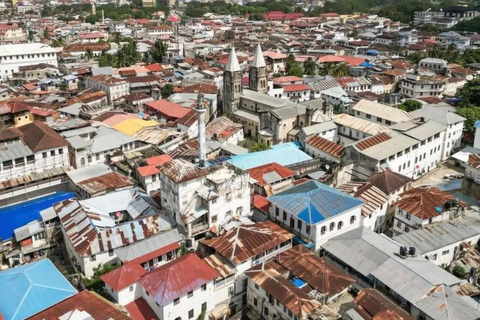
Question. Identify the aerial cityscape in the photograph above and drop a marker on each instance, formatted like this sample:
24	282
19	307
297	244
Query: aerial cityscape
245	160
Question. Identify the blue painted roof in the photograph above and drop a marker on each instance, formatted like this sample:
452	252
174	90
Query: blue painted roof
18	215
31	288
284	154
297	282
477	124
313	202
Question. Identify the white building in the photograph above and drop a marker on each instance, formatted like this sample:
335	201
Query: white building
351	129
114	87
31	148
434	64
94	229
416	86
411	148
13	56
238	249
202	199
423	206
375	204
379	113
315	212
181	289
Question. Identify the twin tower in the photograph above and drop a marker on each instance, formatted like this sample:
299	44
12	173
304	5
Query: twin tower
233	80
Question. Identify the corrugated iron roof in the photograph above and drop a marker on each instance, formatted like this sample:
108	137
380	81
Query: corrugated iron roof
325	145
177	278
389	181
247	241
215	261
372	141
258	173
372	197
123	276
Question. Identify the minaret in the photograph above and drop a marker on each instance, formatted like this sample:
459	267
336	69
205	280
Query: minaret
232	84
257	78
94	9
202	154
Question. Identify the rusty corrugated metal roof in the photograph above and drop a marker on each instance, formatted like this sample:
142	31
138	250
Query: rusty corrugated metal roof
372	141
372	197
247	241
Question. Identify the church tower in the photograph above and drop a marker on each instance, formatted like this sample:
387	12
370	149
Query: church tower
257	75
232	84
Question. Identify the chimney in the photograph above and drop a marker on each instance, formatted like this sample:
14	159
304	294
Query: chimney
201	130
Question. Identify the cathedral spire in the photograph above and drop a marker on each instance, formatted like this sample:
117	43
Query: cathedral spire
232	64
258	59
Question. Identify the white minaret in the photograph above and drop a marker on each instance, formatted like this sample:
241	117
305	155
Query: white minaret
202	154
103	17
94	9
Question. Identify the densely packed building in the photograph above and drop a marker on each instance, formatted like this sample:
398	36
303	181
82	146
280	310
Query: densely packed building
188	165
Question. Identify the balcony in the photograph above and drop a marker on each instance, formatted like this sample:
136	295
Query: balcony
199	228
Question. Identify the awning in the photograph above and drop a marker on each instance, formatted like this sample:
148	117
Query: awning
299	240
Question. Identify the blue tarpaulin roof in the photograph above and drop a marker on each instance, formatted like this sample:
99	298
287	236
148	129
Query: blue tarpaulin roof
297	282
18	215
284	154
366	64
313	202
31	288
299	240
372	52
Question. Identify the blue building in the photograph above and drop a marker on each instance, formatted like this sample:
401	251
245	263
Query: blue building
32	288
315	212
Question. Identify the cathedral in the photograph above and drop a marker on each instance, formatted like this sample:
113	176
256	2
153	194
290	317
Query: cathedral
266	119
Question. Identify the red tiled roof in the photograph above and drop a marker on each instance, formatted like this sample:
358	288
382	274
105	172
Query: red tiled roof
97	307
176	278
372	141
325	145
123	276
295	87
330	58
169	109
156	253
140	310
154	67
257	173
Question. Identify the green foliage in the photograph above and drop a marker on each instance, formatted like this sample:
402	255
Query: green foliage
470	113
334	69
125	57
95	283
459	271
92	19
259	147
450	54
58	43
183	250
167	90
256	17
292	68
310	67
410	105
470	93
468	25
198	9
158	51
201	316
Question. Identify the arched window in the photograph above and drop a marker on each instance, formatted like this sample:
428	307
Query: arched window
82	162
353	219
340	225
332	226
323	230
89	159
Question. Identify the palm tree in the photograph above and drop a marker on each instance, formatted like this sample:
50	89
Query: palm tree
340	70
309	67
46	35
89	54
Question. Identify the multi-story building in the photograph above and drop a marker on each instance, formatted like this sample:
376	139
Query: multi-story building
11	33
201	199
411	148
422	206
307	211
114	87
162	31
379	113
416	86
351	129
13	56
244	247
434	64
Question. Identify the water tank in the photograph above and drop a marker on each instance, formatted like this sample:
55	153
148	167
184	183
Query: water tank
403	251
411	251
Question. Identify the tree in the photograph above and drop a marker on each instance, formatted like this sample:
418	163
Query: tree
472	114
31	36
167	90
58	43
410	105
92	19
95	283
339	70
259	147
46	35
310	67
256	17
470	93
292	68
159	50
459	271
89	54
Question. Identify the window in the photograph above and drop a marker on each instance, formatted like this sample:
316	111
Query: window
130	288
307	229
299	224
434	257
445	252
190	294
379	119
255	302
110	252
323	230
93	257
60	151
340	225
256	286
266	311
204	287
408	216
176	301
368	116
353	219
284	215
190	314
277	211
332	226
52	153
44	155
